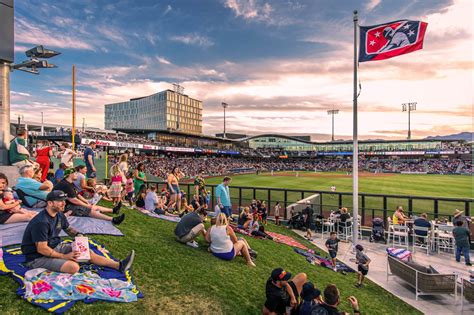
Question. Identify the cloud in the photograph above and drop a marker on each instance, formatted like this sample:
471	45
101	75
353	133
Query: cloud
59	92
19	93
28	33
167	10
372	4
249	9
163	60
193	39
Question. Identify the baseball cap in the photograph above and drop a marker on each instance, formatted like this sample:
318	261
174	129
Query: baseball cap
69	171
309	292
56	195
279	274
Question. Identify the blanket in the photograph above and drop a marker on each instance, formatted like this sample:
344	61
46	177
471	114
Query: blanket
11	234
167	217
317	259
11	263
288	240
400	253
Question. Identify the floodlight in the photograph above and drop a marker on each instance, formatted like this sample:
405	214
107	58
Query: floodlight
41	52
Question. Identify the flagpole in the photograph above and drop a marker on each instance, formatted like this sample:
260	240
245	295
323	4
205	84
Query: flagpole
355	149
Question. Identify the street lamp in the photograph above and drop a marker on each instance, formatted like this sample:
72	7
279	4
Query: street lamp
178	89
333	112
224	106
409	107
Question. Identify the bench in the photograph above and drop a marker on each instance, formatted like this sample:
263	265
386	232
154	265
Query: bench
467	290
424	283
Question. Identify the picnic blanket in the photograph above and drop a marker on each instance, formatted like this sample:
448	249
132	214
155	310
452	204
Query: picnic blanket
317	259
400	253
167	217
288	240
35	290
11	234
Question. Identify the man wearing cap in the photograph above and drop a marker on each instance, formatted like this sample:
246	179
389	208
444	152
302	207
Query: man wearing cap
282	293
42	245
78	206
311	296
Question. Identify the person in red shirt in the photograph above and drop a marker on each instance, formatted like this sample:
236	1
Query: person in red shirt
43	154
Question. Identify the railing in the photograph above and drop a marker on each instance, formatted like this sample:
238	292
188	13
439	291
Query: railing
370	205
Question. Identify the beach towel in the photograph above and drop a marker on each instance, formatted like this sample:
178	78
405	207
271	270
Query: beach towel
167	217
288	240
400	253
11	263
11	234
315	258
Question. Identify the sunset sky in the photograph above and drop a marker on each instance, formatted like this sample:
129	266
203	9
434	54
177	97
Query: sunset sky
279	64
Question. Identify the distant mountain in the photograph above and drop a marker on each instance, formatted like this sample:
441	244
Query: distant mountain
466	136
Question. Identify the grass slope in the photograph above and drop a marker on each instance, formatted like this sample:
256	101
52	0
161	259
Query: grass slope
178	279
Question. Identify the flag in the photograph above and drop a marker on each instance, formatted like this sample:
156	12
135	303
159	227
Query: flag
384	41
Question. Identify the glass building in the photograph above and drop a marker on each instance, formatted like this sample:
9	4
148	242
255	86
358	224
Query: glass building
166	110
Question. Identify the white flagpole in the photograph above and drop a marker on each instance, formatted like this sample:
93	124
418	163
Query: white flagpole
355	149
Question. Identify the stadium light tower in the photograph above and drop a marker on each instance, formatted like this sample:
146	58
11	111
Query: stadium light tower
409	107
178	89
333	112
224	106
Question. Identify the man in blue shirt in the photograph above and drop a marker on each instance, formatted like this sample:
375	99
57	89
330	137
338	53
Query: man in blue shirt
223	197
59	174
422	221
89	155
36	192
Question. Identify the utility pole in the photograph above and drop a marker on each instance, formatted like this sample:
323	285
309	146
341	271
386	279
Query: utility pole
224	105
83	124
42	124
409	107
333	112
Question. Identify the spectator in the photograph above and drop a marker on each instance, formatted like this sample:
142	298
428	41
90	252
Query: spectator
67	155
123	165
190	227
139	178
81	183
422	221
458	216
43	155
224	243
153	202
332	246
42	245
281	292
363	262
89	156
244	218
129	188
331	301
141	195
399	217
308	219
35	191
311	297
18	153
59	174
79	206
115	190
200	187
276	213
223	197
7	215
461	236
173	186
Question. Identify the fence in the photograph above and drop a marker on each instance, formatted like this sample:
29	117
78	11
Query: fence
370	205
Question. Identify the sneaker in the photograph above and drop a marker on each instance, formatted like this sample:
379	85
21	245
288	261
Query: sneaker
125	264
118	219
116	209
253	253
468	264
358	285
193	244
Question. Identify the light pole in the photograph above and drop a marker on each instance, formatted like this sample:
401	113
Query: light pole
42	124
224	106
409	107
178	89
83	124
333	112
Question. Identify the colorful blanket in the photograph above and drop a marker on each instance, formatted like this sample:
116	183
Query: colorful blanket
98	283
167	217
316	259
288	240
400	253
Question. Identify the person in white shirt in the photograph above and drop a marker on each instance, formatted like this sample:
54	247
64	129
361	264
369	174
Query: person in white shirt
67	155
152	202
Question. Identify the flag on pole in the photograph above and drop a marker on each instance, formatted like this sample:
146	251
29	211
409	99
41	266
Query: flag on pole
384	41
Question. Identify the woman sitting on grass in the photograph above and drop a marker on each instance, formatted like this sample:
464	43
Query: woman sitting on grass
244	218
224	243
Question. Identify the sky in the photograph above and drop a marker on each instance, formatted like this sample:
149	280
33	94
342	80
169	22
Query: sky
279	64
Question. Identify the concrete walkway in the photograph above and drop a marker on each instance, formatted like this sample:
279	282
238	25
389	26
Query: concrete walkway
443	263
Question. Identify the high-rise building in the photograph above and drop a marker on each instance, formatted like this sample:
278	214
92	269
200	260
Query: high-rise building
166	110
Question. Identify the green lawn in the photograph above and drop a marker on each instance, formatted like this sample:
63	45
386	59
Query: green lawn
178	279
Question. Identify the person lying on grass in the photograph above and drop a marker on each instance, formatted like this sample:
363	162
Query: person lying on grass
282	293
224	243
42	245
190	227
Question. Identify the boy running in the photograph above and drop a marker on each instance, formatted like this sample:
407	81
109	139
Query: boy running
332	245
363	262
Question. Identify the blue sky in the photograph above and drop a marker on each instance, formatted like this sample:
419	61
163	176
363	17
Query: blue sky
279	64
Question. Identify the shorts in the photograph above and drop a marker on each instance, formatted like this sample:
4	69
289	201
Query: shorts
227	210
159	211
362	270
4	216
130	195
51	264
90	173
78	211
176	190
225	256
191	235
332	254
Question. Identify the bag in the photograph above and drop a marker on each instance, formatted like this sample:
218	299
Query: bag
20	148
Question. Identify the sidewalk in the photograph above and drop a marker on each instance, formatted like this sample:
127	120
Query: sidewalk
443	263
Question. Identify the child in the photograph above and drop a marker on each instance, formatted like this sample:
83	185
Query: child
461	235
115	190
277	213
363	262
129	188
12	205
331	245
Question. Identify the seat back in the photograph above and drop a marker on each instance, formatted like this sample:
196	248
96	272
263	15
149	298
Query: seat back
22	195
